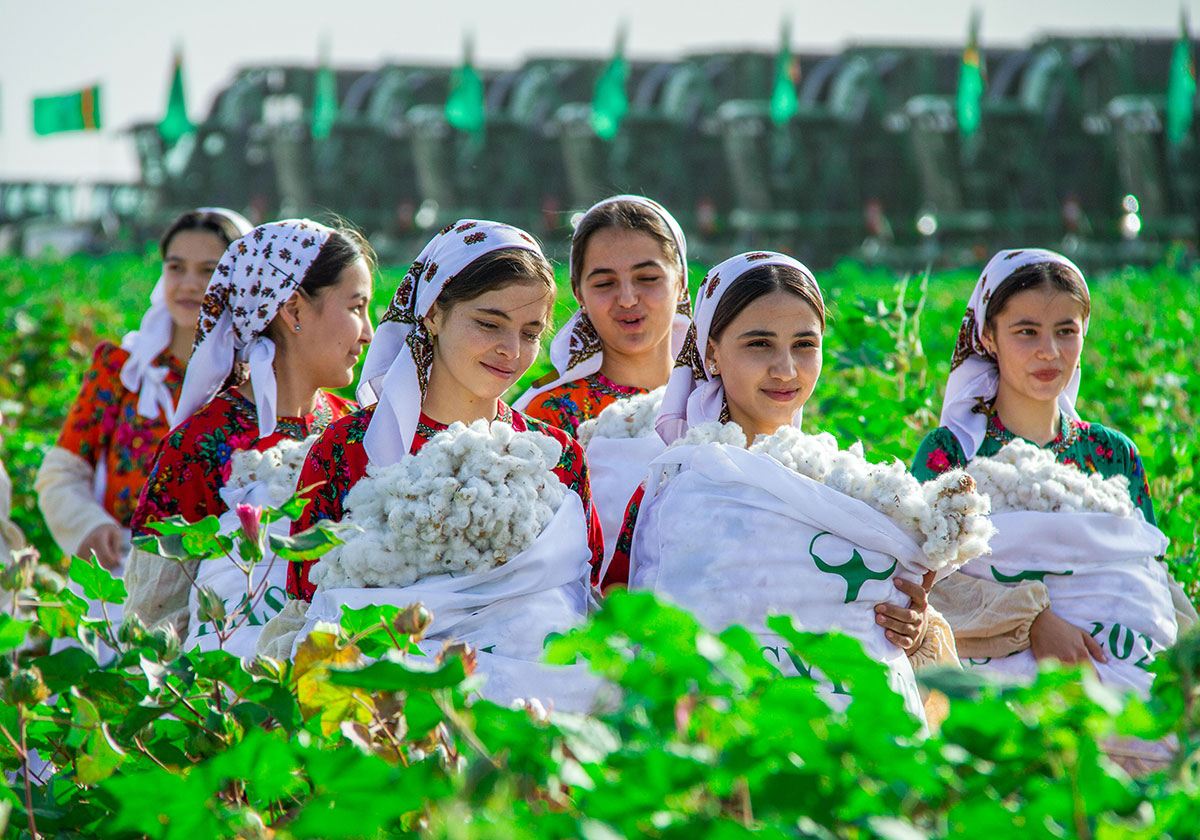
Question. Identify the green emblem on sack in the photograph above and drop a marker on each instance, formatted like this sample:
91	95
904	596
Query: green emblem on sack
1020	576
854	571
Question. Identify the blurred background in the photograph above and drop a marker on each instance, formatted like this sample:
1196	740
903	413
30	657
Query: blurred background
906	134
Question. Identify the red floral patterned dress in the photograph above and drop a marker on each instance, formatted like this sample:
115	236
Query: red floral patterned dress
338	460
1090	447
194	460
104	428
571	403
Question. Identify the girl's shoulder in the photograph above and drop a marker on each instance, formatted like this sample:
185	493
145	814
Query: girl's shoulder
939	451
108	359
523	422
350	428
1104	435
340	406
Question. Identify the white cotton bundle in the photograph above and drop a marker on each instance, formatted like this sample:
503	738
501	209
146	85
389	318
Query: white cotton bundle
278	468
1023	477
628	418
471	499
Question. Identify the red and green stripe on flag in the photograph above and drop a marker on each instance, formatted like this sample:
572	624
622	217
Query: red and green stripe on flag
77	111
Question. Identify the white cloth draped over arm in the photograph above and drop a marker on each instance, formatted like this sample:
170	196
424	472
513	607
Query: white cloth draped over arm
989	619
157	589
65	487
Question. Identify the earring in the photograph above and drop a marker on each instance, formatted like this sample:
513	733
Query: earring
713	369
297	328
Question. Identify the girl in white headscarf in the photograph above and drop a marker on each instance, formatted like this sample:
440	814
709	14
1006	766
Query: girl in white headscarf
1016	374
465	323
89	482
628	270
285	316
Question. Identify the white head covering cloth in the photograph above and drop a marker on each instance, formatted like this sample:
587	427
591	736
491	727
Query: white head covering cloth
395	372
575	350
693	395
257	275
974	375
139	374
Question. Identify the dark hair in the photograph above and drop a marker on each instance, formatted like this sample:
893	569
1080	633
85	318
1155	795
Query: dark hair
1036	276
343	248
496	270
763	280
625	215
218	224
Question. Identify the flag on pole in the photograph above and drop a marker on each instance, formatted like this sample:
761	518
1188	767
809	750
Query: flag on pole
1181	87
609	103
175	123
324	108
971	77
465	108
77	111
784	101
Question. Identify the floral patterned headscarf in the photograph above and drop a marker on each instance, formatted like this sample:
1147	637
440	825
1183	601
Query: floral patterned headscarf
257	275
396	371
576	350
139	374
694	395
974	375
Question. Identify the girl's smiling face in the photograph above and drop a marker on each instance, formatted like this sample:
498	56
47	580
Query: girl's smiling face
1037	340
191	258
769	360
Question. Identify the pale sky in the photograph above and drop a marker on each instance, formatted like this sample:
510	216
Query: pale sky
51	46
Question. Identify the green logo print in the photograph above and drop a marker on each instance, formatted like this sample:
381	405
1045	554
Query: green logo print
854	571
1020	576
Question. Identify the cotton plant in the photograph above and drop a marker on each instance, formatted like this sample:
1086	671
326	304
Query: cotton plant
1024	477
470	500
624	419
277	468
948	517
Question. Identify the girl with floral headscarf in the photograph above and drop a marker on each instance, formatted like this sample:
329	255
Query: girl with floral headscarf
89	481
628	270
284	317
1015	375
464	324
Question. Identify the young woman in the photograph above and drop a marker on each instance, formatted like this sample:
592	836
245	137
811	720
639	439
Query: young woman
285	316
628	269
464	324
89	482
1016	374
760	319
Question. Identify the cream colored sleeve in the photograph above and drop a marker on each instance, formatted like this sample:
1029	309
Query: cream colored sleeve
157	589
989	619
66	498
11	537
938	648
279	633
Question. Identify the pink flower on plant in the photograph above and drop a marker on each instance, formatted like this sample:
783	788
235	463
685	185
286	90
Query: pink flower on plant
938	461
250	517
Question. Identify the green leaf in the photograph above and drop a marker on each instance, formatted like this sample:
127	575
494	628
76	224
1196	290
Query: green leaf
12	631
97	583
311	543
208	526
395	676
102	758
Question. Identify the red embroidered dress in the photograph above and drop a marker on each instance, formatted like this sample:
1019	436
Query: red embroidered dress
104	428
338	460
194	460
571	403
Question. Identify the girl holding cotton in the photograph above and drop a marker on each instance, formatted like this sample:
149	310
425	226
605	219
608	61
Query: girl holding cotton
284	317
745	515
1072	575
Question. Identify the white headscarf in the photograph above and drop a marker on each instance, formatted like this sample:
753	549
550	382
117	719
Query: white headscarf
139	374
974	375
257	275
396	370
576	350
693	395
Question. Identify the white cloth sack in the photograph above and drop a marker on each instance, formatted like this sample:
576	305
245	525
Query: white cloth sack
732	538
1100	572
505	613
616	466
267	578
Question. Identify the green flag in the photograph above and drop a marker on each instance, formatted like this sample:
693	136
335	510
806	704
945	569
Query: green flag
324	108
464	106
609	103
175	123
970	83
1181	88
78	111
784	102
